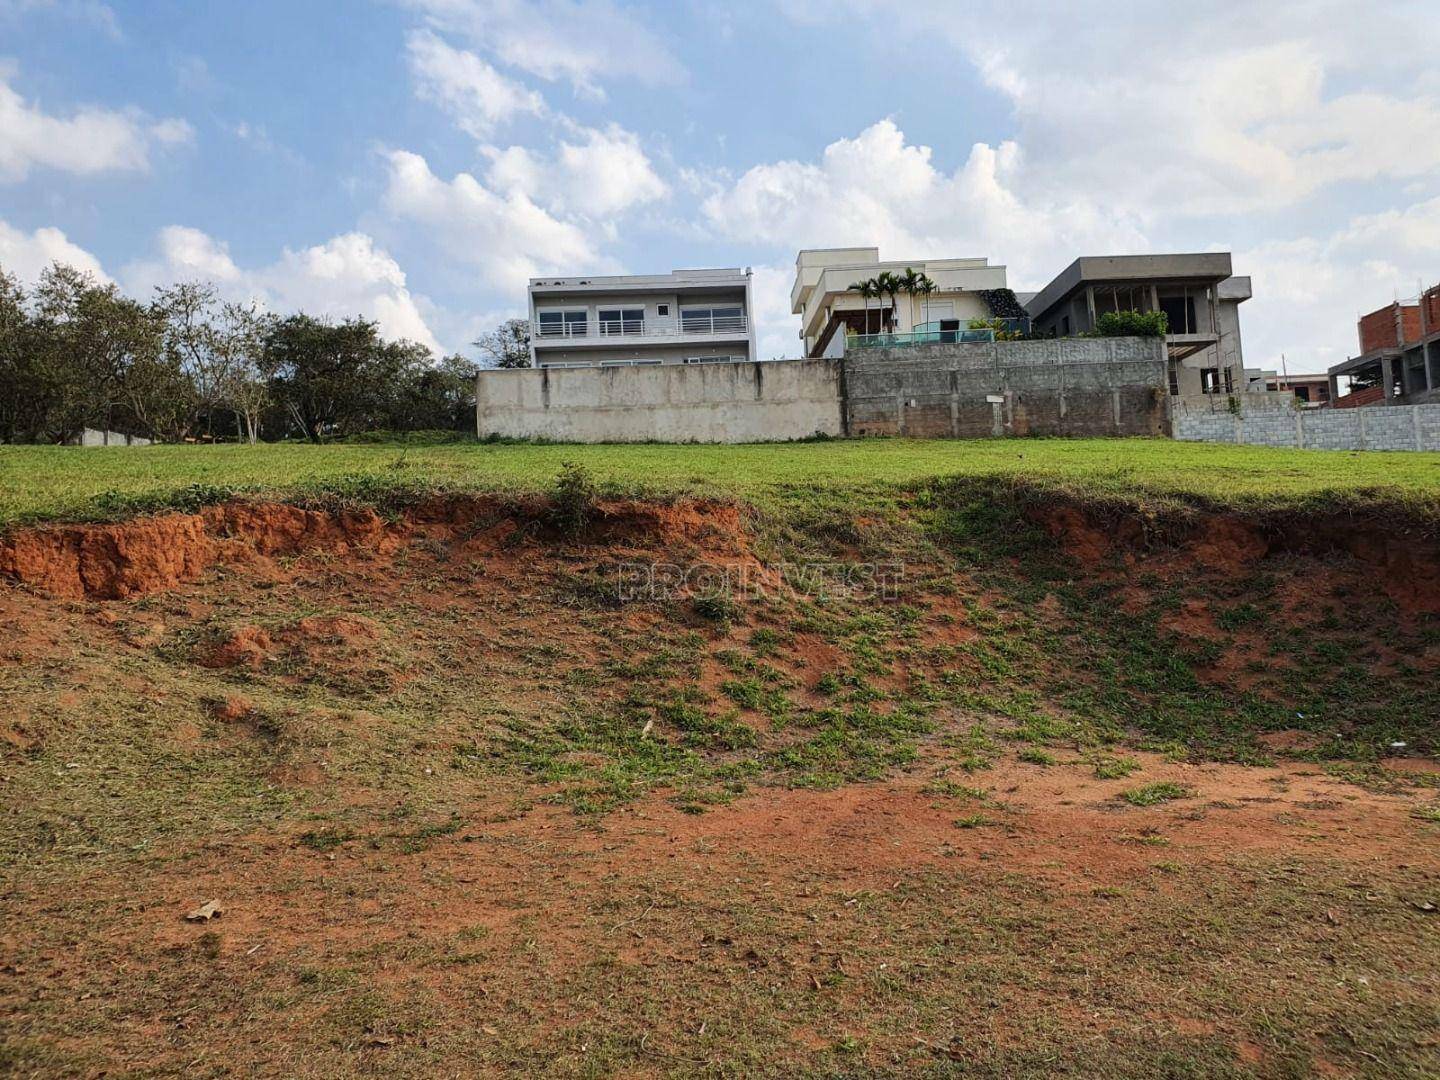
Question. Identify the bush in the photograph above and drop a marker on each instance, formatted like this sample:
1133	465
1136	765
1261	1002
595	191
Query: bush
1132	324
572	500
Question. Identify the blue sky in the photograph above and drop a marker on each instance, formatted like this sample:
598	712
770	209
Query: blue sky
415	160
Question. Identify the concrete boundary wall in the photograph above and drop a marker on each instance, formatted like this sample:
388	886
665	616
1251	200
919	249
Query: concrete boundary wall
1263	423
1063	386
709	403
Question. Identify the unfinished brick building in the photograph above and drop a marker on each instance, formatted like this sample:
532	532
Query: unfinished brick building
1399	361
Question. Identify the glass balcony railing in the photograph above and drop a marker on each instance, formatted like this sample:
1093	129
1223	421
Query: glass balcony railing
917	337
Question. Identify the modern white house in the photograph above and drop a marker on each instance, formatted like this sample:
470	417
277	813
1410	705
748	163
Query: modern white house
683	317
830	305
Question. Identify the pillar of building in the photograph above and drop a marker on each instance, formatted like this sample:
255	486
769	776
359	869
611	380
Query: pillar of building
1387	377
1334	388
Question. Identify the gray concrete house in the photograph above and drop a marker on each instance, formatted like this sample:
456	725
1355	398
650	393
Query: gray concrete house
683	317
1197	292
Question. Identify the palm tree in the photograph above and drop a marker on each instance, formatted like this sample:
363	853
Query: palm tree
866	289
909	282
891	286
925	285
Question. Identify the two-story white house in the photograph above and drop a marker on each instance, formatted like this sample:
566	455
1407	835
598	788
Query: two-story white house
683	317
830	306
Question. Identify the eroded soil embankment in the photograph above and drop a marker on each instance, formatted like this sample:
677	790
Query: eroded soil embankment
114	561
1404	564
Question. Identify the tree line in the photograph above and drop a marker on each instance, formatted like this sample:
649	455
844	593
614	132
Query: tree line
76	353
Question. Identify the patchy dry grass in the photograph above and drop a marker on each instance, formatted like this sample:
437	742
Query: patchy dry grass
470	810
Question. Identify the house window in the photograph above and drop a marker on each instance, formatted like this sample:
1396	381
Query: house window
1210	380
1179	313
711	320
621	321
1065	326
714	359
562	323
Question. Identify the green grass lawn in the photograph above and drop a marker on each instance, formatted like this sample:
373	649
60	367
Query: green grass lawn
39	483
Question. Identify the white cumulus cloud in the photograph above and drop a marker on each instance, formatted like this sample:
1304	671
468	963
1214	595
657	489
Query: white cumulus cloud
597	173
24	255
584	42
477	96
1196	110
506	235
87	141
879	189
344	277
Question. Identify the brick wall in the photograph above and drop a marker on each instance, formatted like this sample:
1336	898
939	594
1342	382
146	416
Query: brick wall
1430	302
1371	395
1378	329
1068	386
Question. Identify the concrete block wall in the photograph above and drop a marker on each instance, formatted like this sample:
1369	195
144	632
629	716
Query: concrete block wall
714	403
1065	386
1260	423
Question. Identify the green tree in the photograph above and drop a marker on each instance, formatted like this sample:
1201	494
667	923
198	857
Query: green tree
16	392
868	290
88	338
327	377
246	389
891	286
507	346
925	286
909	283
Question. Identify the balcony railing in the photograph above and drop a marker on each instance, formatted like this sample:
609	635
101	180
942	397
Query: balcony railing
711	324
920	337
688	326
559	330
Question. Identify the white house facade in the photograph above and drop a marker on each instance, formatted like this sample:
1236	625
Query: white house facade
829	305
683	317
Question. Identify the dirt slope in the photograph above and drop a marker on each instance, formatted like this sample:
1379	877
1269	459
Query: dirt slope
470	809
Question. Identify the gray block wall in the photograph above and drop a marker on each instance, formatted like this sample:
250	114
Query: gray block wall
1264	422
1067	386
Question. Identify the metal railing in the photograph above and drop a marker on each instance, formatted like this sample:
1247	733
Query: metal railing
560	330
622	327
688	326
712	324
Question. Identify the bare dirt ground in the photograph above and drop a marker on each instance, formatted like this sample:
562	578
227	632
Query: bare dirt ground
408	762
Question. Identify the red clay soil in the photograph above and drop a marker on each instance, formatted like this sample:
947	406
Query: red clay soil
1405	567
114	561
501	915
1056	825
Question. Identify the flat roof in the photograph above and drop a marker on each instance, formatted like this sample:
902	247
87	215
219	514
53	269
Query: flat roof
1355	363
724	276
1207	266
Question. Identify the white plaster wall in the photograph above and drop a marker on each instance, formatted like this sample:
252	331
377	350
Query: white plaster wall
714	403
